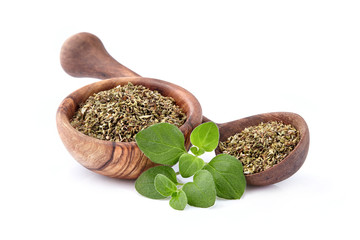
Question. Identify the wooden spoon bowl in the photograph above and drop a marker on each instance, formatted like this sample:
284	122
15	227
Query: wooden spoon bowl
290	164
83	55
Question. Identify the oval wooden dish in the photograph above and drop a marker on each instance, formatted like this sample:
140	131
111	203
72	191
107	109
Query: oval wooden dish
290	164
83	55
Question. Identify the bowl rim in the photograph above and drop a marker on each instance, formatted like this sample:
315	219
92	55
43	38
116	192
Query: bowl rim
73	100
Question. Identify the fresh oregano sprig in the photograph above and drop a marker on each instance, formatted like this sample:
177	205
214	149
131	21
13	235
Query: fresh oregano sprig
164	144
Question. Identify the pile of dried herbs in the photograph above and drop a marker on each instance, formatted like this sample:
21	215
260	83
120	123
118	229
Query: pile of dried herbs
120	113
261	147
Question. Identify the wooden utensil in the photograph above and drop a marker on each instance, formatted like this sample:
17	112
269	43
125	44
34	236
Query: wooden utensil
83	55
290	164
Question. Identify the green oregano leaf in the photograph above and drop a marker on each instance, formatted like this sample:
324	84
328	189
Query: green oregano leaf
201	192
178	200
205	136
228	175
162	143
164	185
189	165
145	183
196	151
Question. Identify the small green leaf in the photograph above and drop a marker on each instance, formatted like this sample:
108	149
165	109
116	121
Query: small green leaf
189	165
164	185
178	200
201	192
145	183
205	136
196	151
162	143
228	175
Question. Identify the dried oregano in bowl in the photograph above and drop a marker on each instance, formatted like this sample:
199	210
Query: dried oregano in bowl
261	147
120	113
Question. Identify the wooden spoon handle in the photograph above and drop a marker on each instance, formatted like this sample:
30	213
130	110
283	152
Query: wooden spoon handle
205	119
84	55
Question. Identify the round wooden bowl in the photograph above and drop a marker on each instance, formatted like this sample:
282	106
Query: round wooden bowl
83	55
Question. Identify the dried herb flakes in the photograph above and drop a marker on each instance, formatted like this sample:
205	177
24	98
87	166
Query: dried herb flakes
261	147
120	113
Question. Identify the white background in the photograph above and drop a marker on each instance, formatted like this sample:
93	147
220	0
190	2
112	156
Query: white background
239	58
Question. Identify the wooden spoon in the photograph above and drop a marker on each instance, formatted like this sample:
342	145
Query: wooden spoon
83	55
290	164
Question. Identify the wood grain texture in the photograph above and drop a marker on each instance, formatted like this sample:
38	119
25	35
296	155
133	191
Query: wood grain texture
83	55
117	159
289	165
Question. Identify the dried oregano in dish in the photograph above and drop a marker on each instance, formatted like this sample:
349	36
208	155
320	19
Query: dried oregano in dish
261	147
120	113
